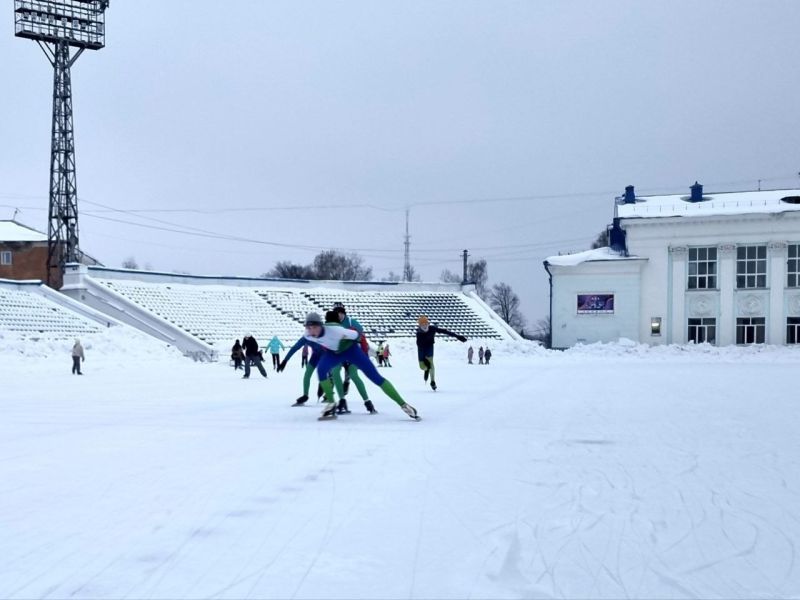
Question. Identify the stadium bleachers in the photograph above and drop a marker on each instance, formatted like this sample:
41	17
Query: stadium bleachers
394	314
24	311
218	314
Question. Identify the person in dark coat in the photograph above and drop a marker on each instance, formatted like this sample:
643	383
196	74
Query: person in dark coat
426	334
487	354
252	356
237	355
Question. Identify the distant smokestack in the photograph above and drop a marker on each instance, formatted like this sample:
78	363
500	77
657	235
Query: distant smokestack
630	196
697	192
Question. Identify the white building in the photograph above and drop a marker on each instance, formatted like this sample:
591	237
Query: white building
719	268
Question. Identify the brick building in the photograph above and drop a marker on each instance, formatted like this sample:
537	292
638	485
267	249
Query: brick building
23	253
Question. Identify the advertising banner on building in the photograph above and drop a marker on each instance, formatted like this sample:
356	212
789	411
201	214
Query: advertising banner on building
595	304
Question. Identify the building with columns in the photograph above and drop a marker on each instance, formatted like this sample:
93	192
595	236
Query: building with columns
717	268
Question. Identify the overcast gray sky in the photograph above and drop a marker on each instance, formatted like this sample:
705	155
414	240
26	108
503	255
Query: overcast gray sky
506	127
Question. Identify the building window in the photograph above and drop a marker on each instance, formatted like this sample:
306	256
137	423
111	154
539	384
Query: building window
793	266
702	268
6	257
702	330
750	330
751	267
793	330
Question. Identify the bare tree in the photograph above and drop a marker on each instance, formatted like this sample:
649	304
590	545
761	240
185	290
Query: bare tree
505	303
411	274
477	273
601	241
285	269
393	277
335	265
130	263
448	276
543	332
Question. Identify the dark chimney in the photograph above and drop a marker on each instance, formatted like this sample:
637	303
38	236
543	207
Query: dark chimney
630	197
697	192
617	238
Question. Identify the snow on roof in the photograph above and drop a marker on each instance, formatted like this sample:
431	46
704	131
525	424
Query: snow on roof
570	260
726	203
11	231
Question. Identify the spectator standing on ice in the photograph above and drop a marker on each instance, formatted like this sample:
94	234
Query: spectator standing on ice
304	356
341	345
386	355
426	337
275	347
252	356
480	355
237	355
470	354
487	354
77	357
379	354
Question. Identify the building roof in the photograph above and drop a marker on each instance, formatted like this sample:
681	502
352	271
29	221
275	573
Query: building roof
726	203
598	254
11	231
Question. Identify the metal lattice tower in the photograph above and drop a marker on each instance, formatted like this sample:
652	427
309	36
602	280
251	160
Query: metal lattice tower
57	26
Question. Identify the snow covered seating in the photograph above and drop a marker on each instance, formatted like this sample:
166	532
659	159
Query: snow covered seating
394	313
23	309
203	315
215	314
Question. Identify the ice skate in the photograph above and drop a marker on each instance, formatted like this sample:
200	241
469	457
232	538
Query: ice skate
410	411
329	412
301	400
370	407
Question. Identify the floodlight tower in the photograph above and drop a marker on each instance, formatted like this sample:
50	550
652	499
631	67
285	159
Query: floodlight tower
58	25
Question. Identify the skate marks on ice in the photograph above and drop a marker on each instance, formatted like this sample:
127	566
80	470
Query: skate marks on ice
617	529
194	548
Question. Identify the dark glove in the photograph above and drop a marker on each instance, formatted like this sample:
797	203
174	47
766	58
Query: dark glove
461	338
282	366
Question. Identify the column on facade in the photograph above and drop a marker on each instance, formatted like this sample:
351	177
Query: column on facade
677	325
777	278
726	328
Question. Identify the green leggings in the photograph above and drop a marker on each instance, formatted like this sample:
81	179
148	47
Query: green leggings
428	366
335	375
356	379
386	386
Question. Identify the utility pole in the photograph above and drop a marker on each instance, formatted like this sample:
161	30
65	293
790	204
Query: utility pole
407	264
464	279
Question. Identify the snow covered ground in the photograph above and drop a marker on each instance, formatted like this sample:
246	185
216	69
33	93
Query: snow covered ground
608	471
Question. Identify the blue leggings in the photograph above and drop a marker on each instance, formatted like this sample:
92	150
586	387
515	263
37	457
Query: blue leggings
355	356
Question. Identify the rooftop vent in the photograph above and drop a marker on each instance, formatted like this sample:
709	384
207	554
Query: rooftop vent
791	199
